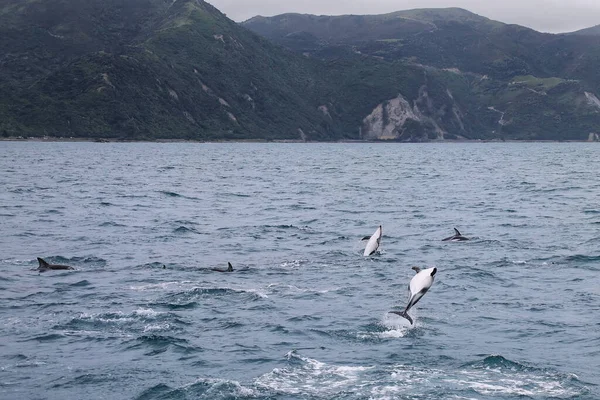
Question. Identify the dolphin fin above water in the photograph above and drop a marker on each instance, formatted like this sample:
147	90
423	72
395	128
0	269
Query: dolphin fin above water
45	266
373	243
229	268
418	286
457	237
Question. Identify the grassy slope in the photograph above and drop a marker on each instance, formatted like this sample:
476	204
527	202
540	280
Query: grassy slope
186	72
490	56
146	69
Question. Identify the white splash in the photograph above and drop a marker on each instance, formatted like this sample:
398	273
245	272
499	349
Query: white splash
312	378
147	312
157	327
526	384
157	286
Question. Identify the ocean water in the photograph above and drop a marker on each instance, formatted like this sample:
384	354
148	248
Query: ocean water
514	313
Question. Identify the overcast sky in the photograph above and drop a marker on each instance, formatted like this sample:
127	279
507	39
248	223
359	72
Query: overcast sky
542	15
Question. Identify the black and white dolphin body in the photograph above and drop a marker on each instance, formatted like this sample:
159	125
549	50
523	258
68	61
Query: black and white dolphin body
373	242
45	266
418	286
457	237
229	268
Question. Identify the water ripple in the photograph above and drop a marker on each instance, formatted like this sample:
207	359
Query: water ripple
303	315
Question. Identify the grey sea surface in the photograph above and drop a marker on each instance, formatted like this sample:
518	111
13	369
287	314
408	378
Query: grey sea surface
514	313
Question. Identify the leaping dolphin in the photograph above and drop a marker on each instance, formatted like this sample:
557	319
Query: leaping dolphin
418	286
373	242
229	268
457	237
44	266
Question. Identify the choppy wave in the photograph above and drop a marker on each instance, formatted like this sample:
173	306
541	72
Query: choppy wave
303	315
583	258
305	377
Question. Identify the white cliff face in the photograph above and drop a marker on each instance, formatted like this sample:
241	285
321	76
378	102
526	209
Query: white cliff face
426	109
387	119
592	99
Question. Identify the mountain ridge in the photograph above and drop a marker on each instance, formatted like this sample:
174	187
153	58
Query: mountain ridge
591	31
490	57
179	69
190	74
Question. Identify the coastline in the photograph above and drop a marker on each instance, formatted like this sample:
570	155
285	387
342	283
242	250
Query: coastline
115	140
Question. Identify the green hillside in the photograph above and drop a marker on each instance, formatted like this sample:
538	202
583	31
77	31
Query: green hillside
486	57
179	69
146	69
592	31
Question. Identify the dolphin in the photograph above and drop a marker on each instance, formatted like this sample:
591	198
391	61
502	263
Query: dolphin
44	266
229	268
418	286
457	237
373	242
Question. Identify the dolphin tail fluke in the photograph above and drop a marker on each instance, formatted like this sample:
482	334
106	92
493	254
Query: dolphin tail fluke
229	267
403	314
43	263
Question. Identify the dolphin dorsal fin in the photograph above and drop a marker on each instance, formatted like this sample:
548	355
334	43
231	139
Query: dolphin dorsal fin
457	232
229	267
42	262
